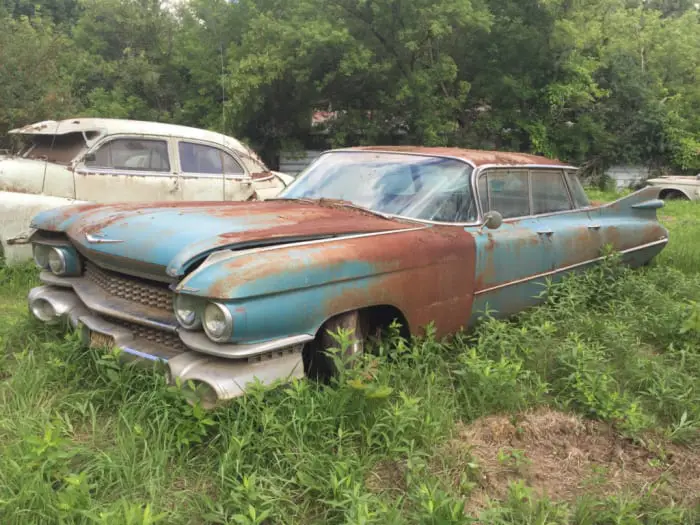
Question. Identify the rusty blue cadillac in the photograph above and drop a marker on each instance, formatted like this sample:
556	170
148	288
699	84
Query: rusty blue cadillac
225	292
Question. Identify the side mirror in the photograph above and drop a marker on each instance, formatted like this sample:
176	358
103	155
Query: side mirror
492	221
89	157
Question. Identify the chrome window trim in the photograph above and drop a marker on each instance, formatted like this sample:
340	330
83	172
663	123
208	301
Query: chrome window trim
485	172
478	171
403	217
566	268
562	176
82	168
563	169
189	174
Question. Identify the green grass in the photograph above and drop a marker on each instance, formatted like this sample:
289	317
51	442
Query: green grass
414	435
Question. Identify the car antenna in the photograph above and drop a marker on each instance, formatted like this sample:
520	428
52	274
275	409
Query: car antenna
223	119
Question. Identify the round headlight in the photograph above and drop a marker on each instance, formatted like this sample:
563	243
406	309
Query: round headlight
57	261
186	312
218	323
41	255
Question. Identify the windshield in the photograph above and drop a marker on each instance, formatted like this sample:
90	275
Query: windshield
413	186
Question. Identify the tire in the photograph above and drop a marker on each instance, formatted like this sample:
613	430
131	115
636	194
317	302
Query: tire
317	364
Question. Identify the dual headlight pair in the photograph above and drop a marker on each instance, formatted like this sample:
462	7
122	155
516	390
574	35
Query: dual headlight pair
215	318
59	260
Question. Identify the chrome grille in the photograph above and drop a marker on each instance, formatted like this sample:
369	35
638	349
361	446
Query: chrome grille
130	288
168	340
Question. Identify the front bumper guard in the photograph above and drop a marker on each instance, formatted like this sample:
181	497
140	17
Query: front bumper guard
266	362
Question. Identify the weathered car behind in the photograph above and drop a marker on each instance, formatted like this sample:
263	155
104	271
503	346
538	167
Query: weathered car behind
111	160
677	187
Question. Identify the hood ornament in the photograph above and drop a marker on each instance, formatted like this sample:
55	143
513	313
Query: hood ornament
99	238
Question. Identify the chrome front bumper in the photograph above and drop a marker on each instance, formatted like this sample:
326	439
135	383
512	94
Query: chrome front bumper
227	377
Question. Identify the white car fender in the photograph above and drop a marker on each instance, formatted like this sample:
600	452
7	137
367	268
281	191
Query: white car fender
16	213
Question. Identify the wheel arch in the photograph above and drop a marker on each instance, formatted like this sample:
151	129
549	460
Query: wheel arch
376	316
670	193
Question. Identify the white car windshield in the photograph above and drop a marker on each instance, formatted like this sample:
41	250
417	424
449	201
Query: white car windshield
413	186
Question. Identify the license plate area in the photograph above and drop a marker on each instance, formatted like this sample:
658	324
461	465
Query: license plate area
98	340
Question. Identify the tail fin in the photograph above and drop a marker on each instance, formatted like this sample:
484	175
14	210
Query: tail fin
643	203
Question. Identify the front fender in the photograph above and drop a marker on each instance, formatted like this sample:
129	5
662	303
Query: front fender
16	212
427	273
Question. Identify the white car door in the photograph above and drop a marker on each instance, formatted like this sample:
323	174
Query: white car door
208	173
128	169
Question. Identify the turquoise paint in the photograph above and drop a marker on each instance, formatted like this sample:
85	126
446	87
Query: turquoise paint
298	311
278	271
156	235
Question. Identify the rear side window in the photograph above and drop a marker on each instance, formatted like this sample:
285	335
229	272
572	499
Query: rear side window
197	158
507	192
577	191
549	193
132	154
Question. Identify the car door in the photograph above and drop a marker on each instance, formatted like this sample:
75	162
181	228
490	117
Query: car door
210	173
511	260
573	241
127	169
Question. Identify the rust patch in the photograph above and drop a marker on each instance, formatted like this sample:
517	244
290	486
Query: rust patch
427	274
475	156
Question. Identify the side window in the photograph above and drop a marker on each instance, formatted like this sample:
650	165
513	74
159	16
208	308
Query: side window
508	192
549	192
231	165
577	191
132	154
197	158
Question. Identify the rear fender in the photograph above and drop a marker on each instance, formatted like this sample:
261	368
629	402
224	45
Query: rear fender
632	222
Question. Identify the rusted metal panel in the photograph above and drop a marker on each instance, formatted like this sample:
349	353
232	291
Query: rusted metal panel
174	234
474	156
426	272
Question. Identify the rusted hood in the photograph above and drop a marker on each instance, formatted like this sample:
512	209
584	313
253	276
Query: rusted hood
175	235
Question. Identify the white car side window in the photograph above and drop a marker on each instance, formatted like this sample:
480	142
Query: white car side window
132	154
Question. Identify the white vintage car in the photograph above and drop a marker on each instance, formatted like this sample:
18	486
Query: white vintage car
109	160
678	187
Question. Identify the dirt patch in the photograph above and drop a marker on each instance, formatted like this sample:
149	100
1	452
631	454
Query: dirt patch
563	456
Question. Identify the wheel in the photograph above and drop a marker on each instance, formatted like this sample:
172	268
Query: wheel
317	363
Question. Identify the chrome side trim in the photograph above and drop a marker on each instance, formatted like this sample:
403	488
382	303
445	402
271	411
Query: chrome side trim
199	342
227	253
98	239
565	268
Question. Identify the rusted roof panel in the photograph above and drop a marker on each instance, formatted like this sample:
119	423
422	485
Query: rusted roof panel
475	156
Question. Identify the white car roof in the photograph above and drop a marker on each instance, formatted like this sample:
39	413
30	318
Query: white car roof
108	126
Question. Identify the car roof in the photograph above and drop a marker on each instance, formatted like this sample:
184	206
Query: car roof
475	157
109	126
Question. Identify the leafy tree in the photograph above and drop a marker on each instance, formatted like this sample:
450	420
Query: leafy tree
33	84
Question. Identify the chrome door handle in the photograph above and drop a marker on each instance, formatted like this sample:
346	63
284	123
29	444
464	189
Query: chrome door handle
545	232
594	227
